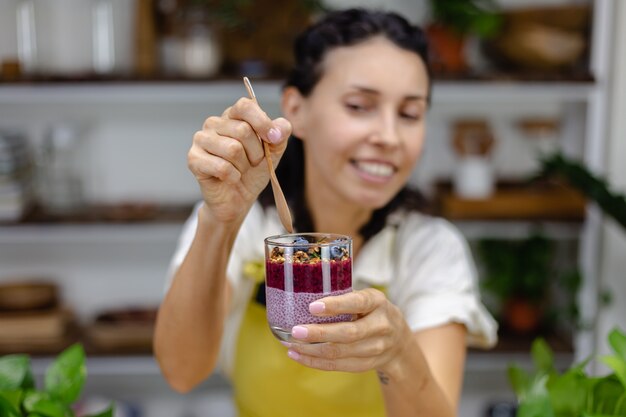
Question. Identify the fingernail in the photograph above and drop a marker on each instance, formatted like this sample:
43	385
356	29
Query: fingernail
317	307
274	135
299	332
285	344
293	354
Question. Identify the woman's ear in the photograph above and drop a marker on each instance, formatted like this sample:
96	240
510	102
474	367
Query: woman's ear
292	104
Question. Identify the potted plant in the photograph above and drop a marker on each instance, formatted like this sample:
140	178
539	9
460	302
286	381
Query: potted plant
257	36
63	383
452	22
573	393
517	274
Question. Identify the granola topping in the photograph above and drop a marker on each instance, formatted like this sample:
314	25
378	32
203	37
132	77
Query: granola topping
312	255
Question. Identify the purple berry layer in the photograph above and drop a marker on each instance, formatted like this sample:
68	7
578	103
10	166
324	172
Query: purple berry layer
307	277
286	309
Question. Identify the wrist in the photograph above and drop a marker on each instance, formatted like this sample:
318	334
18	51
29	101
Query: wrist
405	363
209	225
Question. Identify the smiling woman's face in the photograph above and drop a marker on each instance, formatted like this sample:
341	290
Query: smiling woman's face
363	124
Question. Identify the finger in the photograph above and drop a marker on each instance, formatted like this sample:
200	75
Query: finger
230	149
373	346
249	111
205	165
344	364
285	129
356	302
342	332
242	132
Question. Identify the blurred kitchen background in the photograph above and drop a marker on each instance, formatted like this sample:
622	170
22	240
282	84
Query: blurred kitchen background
99	100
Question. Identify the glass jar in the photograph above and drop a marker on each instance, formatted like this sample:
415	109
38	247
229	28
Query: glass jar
200	50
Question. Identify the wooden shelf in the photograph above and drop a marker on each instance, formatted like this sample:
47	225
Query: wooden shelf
514	202
122	223
268	91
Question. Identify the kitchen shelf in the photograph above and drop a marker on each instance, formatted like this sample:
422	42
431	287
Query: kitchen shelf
195	92
89	233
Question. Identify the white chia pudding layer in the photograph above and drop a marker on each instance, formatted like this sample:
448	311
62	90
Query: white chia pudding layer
287	309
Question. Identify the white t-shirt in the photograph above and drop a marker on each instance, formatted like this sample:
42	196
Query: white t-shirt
423	261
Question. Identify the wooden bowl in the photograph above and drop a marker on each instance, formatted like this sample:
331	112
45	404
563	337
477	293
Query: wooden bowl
18	296
542	38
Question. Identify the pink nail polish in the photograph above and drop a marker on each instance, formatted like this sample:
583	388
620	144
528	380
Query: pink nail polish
285	344
317	307
274	135
293	354
299	332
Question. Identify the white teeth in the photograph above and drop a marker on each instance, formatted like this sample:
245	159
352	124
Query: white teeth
374	168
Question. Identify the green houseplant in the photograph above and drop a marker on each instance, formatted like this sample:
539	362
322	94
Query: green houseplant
518	274
452	22
591	186
547	393
63	384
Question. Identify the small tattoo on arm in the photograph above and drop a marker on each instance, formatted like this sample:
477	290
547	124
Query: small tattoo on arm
384	379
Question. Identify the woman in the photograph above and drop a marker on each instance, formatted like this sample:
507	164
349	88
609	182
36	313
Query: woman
356	103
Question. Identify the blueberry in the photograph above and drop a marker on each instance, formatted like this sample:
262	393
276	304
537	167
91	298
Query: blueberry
300	241
336	252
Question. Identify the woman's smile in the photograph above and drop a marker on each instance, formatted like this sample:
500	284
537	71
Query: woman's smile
377	172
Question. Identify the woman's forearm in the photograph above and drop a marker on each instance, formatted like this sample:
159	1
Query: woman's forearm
409	388
191	318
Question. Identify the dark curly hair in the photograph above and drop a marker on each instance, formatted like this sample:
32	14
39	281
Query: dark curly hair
335	29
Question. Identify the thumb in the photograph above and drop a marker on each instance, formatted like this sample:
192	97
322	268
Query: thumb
278	146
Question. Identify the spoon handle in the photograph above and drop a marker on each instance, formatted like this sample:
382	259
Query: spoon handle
279	197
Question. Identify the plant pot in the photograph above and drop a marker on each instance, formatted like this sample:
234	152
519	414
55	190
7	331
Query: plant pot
522	316
447	50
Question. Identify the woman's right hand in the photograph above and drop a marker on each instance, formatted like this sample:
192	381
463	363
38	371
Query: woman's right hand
227	158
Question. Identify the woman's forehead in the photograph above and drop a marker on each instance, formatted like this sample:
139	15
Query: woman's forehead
375	63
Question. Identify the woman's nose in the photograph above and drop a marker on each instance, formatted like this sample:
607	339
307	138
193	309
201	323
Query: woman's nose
385	133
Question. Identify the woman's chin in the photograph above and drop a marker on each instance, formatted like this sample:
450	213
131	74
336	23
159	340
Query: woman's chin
373	201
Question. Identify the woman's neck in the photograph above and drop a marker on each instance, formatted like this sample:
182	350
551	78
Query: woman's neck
330	215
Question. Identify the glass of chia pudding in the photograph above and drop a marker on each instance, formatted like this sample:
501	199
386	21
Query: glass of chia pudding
299	269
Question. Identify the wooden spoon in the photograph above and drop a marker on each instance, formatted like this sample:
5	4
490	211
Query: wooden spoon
279	197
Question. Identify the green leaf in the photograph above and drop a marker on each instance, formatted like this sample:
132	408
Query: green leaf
606	395
593	187
617	340
106	413
542	356
620	406
15	373
66	375
597	415
568	392
537	401
519	380
618	365
14	397
45	404
7	409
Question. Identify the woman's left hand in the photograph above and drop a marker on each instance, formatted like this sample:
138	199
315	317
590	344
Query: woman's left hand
375	339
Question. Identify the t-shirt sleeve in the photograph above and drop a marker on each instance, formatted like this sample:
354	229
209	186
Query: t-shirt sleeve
440	282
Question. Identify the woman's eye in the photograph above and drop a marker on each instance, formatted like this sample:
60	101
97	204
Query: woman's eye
356	107
411	116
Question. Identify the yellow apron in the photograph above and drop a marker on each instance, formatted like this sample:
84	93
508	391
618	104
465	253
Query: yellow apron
267	383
